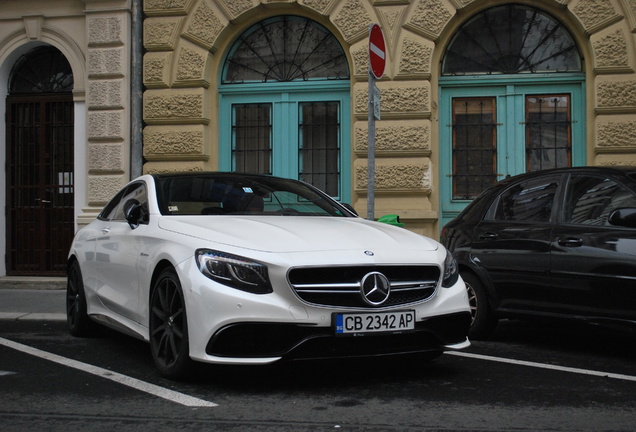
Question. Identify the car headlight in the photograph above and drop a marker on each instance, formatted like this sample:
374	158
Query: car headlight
451	271
234	271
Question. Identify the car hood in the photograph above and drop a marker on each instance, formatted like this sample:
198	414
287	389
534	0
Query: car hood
280	234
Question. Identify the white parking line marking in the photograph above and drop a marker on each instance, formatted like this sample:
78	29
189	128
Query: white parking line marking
143	386
545	366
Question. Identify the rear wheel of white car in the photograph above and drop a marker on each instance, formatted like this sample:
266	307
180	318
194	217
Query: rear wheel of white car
483	321
168	326
79	324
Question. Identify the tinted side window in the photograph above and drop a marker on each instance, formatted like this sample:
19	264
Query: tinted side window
528	201
136	192
109	210
590	200
114	210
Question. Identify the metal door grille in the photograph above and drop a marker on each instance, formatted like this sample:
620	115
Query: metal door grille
319	146
40	184
548	132
252	138
474	146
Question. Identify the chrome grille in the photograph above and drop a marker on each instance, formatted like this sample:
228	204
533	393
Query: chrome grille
340	286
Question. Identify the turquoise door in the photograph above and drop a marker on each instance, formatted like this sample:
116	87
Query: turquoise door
488	133
297	131
512	100
285	105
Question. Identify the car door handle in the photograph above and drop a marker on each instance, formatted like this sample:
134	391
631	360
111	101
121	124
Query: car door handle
571	242
488	236
105	230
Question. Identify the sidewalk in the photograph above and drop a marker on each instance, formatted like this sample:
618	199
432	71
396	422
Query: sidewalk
32	299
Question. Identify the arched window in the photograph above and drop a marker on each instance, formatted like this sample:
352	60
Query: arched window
511	39
41	70
512	100
285	104
284	49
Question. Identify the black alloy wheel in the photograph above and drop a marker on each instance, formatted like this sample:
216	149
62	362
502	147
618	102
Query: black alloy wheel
79	323
168	326
483	321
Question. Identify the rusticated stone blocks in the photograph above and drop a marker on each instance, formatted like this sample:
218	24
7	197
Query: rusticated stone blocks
395	137
396	174
103	187
175	107
174	142
617	134
402	98
161	34
617	94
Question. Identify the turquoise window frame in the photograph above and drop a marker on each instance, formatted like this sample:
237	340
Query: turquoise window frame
285	99
510	92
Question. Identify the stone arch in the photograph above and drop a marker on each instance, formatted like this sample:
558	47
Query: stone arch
181	70
11	48
35	34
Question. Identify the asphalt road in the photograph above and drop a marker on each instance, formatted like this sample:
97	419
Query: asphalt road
527	378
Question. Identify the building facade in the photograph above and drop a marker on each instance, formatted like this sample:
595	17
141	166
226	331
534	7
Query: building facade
473	91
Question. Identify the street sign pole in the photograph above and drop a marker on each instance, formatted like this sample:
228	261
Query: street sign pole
377	62
371	151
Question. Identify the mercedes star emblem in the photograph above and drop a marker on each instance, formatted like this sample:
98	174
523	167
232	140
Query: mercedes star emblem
375	288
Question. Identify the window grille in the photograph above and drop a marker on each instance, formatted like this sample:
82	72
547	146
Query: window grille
319	146
285	49
474	146
511	39
548	132
41	70
252	138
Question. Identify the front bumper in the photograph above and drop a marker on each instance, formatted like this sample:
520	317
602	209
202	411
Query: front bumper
296	342
229	326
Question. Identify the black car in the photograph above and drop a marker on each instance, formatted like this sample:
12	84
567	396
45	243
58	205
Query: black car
556	243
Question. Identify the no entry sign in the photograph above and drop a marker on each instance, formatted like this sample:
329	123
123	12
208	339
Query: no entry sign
377	51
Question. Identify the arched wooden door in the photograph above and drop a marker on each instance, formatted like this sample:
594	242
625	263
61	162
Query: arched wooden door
39	154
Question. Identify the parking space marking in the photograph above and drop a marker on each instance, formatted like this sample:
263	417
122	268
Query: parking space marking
545	366
143	386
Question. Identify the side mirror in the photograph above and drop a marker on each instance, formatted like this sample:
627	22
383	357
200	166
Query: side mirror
133	212
623	217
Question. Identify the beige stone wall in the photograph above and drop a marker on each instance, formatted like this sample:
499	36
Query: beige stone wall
186	41
108	29
95	37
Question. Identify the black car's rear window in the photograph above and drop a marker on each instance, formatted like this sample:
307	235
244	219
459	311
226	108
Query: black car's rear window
528	201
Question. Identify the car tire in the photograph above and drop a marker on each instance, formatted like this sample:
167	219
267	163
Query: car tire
79	323
168	326
483	321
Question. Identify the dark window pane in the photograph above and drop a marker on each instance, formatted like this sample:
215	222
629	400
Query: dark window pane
251	138
283	49
474	146
590	200
511	39
530	201
41	70
548	143
319	146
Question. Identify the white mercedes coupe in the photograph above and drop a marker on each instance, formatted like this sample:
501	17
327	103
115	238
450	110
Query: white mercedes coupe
236	268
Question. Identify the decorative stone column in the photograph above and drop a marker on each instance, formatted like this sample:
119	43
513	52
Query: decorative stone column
108	29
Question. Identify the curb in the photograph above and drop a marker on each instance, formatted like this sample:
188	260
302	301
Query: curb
28	316
34	283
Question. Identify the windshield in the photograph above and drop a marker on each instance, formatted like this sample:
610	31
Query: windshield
241	194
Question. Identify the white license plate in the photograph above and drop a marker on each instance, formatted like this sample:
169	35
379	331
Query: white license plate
391	322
